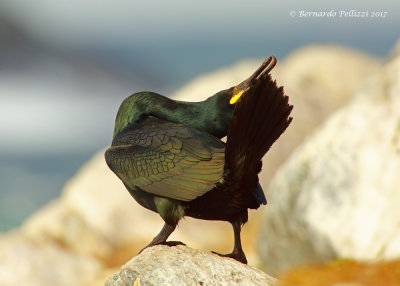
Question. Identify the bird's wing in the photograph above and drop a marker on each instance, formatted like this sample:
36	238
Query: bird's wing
167	159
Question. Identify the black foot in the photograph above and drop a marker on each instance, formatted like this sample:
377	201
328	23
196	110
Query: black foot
241	257
173	243
168	243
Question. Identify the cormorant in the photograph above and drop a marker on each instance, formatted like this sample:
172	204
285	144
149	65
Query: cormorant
170	157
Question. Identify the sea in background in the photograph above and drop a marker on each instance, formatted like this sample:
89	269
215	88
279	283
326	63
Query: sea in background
65	67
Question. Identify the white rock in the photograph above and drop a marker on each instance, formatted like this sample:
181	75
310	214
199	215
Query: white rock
24	262
338	195
180	265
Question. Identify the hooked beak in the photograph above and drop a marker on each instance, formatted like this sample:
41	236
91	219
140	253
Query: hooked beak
260	73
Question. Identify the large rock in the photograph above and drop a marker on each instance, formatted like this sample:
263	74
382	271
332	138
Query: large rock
338	195
344	273
26	262
180	265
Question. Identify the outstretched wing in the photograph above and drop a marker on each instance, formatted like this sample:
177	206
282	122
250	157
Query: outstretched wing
167	159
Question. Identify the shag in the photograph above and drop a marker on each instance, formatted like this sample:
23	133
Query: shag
170	156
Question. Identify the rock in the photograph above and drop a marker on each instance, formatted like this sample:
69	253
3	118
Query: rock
25	262
344	273
180	265
338	195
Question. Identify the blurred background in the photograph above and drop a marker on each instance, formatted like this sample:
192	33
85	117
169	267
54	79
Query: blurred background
65	66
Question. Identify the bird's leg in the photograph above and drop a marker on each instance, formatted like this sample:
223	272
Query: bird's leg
237	252
162	237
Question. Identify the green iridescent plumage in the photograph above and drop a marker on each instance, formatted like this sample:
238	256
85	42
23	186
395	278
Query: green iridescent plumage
170	157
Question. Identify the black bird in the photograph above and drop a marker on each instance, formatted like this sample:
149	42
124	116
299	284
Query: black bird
170	157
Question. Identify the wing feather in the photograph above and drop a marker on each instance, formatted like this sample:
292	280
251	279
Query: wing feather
167	159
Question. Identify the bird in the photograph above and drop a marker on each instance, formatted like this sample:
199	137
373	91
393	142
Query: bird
170	156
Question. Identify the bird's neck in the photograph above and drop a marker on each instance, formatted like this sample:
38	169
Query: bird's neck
211	115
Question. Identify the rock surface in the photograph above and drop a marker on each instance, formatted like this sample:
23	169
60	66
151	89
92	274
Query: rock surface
338	195
344	273
26	262
180	265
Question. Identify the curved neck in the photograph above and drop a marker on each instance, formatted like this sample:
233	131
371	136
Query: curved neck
211	115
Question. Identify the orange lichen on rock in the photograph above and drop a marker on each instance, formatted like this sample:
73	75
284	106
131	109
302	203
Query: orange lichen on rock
344	272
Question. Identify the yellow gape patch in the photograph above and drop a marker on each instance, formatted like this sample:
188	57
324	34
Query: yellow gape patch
236	95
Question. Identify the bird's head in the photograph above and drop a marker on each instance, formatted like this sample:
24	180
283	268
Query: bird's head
239	90
220	106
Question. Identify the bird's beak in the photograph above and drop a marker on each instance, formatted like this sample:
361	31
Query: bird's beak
261	72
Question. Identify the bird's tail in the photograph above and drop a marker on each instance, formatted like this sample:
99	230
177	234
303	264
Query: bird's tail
260	117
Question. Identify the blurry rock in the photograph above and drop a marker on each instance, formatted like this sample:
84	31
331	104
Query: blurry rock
344	273
180	265
24	262
338	195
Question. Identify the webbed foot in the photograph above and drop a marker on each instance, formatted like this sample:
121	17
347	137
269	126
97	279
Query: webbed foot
173	243
239	256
